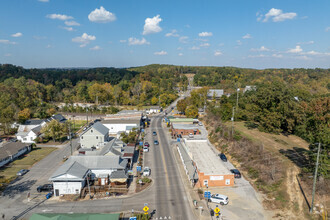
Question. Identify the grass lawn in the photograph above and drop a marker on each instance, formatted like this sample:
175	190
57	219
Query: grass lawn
77	124
26	161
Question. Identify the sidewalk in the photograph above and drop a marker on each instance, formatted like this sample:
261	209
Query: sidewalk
200	210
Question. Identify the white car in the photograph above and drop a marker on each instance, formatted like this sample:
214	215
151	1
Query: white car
218	198
146	171
145	149
191	135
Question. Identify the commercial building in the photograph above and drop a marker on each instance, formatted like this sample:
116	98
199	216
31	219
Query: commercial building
210	169
117	126
184	129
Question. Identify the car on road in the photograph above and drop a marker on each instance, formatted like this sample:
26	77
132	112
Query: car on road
146	171
236	173
223	157
200	123
45	187
22	172
146	144
191	135
218	198
156	142
154	133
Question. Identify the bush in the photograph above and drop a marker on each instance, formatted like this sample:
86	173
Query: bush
253	173
200	191
146	180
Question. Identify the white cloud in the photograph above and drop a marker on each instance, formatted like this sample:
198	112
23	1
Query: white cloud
297	49
217	53
327	29
194	48
18	34
205	45
173	33
95	48
71	23
2	41
183	39
135	41
43	0
101	16
257	56
122	41
277	15
308	42
84	39
262	48
68	28
151	25
205	34
161	53
239	42
180	54
59	17
247	36
49	46
277	55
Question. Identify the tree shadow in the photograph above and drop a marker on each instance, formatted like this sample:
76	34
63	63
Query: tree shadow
297	155
14	189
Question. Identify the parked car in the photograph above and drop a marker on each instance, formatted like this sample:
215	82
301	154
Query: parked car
96	120
218	198
223	157
22	172
236	173
156	142
146	144
145	149
154	133
45	187
191	135
146	171
200	123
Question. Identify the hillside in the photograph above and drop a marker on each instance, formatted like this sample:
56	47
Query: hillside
274	165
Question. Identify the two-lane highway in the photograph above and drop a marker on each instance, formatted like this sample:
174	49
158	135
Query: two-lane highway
170	196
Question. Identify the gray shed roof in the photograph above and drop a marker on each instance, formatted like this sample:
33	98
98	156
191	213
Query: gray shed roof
100	162
120	174
217	92
100	128
34	122
72	168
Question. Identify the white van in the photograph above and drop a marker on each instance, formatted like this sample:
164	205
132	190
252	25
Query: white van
218	198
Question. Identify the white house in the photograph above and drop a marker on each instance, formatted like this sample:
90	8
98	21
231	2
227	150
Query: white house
121	125
70	178
215	93
29	136
10	151
95	136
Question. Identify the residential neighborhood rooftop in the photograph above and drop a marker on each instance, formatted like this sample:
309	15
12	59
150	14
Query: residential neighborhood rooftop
72	168
11	148
34	122
99	162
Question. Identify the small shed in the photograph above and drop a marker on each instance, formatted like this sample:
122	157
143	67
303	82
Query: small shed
118	178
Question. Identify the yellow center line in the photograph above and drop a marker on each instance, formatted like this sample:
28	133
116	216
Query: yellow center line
164	162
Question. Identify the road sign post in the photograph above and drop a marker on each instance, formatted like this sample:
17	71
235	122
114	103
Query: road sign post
146	208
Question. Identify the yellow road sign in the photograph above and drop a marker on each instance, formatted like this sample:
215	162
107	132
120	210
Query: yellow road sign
217	214
145	208
217	210
146	213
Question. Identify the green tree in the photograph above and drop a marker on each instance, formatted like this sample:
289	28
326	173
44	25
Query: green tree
55	130
192	111
181	105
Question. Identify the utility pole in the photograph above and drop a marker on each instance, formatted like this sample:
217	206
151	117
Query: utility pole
70	137
232	123
315	176
87	115
237	89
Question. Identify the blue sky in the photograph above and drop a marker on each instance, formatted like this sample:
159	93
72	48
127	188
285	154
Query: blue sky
125	33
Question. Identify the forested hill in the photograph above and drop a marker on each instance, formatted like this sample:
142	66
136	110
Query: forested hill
50	76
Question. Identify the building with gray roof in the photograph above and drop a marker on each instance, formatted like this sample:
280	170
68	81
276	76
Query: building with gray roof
95	136
215	93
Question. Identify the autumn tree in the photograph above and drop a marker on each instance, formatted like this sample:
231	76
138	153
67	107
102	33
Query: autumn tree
24	115
192	111
181	105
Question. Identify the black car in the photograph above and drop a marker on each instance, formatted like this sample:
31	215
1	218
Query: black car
156	142
223	157
45	187
154	133
236	173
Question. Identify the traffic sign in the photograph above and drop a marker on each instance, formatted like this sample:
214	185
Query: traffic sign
145	209
138	168
207	194
217	210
